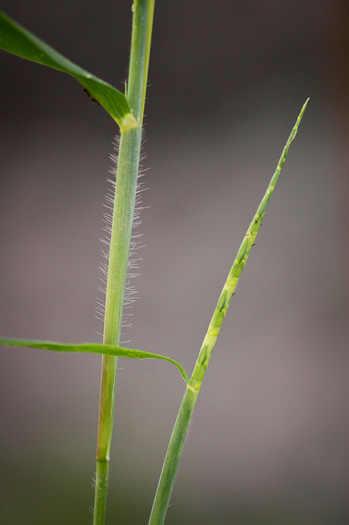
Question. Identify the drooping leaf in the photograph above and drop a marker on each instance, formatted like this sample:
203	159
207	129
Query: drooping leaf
91	348
17	40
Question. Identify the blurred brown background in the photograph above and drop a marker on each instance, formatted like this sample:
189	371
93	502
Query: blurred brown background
269	439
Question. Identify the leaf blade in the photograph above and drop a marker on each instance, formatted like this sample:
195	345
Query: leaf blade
91	348
17	40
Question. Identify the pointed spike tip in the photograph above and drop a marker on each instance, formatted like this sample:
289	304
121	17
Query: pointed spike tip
304	107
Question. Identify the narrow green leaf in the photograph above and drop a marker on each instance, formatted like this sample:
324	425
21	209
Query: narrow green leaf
17	40
91	348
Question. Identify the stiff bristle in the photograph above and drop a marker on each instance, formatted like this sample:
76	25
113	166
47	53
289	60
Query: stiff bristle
135	244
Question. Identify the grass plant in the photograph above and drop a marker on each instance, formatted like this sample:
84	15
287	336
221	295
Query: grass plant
127	109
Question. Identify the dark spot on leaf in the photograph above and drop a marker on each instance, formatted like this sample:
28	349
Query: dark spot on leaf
91	97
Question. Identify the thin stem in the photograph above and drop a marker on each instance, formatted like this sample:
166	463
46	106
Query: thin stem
169	469
143	15
124	203
173	455
125	191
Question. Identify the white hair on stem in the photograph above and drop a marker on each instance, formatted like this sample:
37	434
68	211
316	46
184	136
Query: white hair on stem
135	244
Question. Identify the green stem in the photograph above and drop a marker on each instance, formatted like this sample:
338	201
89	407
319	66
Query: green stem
173	455
125	191
124	203
169	469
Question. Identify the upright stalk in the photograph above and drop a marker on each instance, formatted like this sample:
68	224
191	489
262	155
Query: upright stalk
124	203
180	430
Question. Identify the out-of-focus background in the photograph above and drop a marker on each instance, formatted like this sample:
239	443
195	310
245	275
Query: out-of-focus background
269	439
